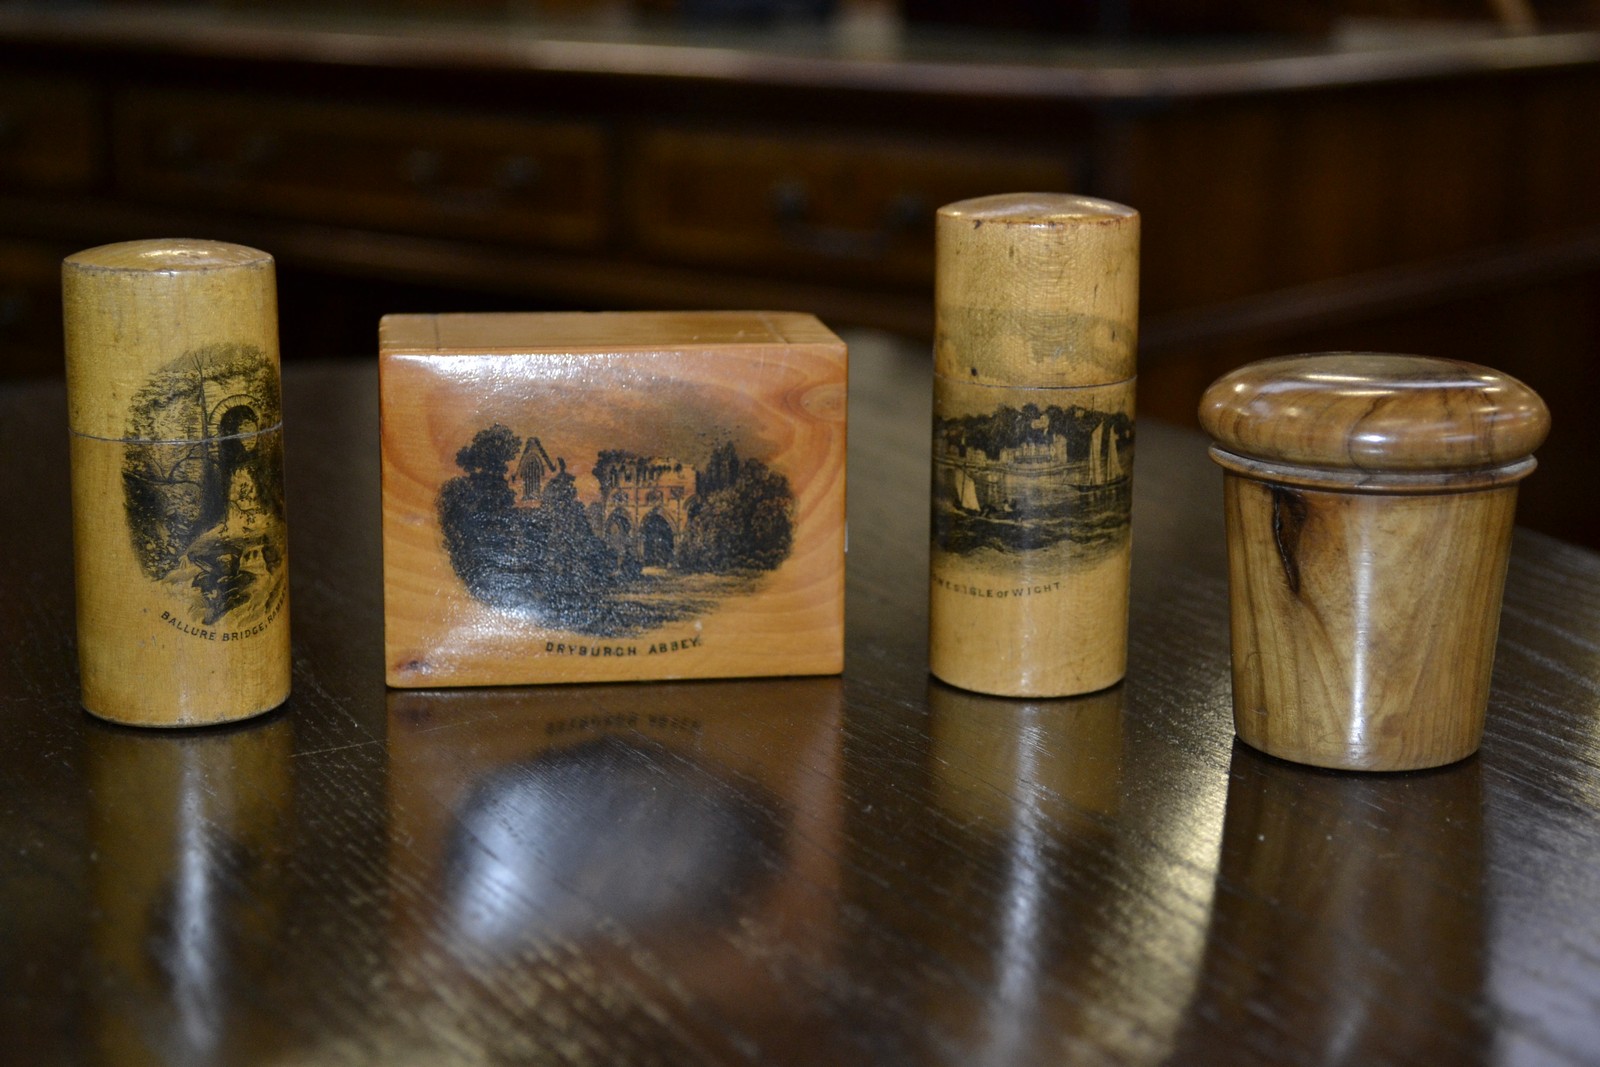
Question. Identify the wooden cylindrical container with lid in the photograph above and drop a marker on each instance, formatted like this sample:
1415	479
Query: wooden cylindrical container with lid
1037	322
1369	502
177	481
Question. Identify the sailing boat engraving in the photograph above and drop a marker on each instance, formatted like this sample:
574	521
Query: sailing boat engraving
1105	464
1020	478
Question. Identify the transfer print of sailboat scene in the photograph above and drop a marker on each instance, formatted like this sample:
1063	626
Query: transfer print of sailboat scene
1022	478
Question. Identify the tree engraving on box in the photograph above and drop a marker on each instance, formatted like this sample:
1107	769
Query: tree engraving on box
638	542
202	480
1020	479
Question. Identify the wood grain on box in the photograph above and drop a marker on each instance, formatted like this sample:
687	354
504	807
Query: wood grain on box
611	496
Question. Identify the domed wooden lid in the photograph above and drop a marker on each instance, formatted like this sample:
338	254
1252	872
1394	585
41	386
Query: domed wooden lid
135	310
1037	290
1370	411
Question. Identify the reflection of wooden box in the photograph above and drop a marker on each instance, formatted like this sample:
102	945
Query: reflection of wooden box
592	497
661	862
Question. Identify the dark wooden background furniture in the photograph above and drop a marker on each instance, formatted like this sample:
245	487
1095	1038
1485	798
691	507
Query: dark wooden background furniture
873	869
1379	187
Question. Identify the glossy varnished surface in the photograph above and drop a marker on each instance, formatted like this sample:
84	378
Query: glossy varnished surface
874	869
1364	624
1370	500
1374	411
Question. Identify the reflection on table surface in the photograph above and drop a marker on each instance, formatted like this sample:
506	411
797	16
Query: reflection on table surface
1347	915
700	872
618	844
187	833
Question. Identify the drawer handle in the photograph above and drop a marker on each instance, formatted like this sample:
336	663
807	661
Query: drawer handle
519	174
15	304
182	148
181	145
424	169
791	209
259	150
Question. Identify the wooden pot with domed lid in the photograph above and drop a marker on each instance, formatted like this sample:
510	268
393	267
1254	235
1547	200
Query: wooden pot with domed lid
1369	501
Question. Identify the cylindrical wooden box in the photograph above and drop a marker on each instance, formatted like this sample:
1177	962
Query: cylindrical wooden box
1369	503
1037	302
177	481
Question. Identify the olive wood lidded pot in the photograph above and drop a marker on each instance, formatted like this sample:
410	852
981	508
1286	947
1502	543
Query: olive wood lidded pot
1037	302
1369	503
177	481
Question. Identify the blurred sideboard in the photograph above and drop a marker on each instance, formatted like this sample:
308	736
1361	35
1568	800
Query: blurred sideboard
1417	189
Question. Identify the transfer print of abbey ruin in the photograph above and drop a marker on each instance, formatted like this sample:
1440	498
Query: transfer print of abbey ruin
1024	478
203	484
637	540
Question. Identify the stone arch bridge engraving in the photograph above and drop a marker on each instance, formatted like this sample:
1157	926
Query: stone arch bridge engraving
202	477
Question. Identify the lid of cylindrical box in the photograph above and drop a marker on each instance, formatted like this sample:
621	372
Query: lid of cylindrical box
143	316
1036	289
1374	412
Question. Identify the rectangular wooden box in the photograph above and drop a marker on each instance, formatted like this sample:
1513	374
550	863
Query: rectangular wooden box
579	497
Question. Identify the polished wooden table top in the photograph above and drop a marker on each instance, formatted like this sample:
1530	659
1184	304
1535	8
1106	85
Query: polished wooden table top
868	869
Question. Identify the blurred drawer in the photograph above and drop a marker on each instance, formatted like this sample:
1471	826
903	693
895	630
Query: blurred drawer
462	175
47	133
30	307
820	205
